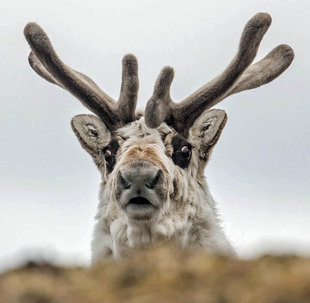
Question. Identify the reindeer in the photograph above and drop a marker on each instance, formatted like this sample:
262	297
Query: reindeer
153	188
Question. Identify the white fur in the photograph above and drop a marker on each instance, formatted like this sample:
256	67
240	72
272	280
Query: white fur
188	217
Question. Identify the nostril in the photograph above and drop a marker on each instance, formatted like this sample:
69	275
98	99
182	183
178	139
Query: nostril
151	183
123	181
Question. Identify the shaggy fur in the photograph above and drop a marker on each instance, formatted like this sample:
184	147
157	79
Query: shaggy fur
188	216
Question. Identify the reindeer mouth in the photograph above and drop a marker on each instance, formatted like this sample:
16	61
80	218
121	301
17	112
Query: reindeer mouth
139	201
140	208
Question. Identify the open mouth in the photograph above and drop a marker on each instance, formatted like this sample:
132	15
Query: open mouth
140	208
139	201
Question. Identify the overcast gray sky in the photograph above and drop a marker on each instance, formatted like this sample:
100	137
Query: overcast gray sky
259	172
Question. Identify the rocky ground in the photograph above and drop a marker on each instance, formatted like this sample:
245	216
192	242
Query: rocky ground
163	275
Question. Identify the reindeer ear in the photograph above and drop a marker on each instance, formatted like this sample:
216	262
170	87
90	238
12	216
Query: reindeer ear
206	131
91	132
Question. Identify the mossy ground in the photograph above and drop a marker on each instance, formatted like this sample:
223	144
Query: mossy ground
163	275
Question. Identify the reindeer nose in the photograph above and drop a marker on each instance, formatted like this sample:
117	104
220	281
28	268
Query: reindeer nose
139	179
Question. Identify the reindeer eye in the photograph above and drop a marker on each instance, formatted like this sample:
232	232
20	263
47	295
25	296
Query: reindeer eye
186	152
107	154
182	151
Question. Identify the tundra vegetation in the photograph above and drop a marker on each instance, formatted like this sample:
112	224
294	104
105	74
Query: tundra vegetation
164	274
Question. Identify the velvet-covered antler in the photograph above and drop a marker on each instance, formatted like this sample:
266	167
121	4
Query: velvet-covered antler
45	62
238	76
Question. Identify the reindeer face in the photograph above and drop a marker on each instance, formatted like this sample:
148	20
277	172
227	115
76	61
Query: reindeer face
142	174
145	167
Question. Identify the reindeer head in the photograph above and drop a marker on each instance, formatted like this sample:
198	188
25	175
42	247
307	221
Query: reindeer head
147	161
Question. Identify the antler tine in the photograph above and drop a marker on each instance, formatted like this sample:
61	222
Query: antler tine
265	70
129	89
158	107
54	70
38	67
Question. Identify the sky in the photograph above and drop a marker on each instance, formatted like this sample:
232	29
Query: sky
259	173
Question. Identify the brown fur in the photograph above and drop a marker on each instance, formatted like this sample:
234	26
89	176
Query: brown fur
144	153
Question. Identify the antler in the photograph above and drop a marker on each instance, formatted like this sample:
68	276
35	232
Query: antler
237	77
45	62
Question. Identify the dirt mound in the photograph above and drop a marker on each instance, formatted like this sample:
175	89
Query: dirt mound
163	275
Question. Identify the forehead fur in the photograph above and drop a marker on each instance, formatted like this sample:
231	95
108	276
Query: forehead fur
145	153
144	143
138	130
